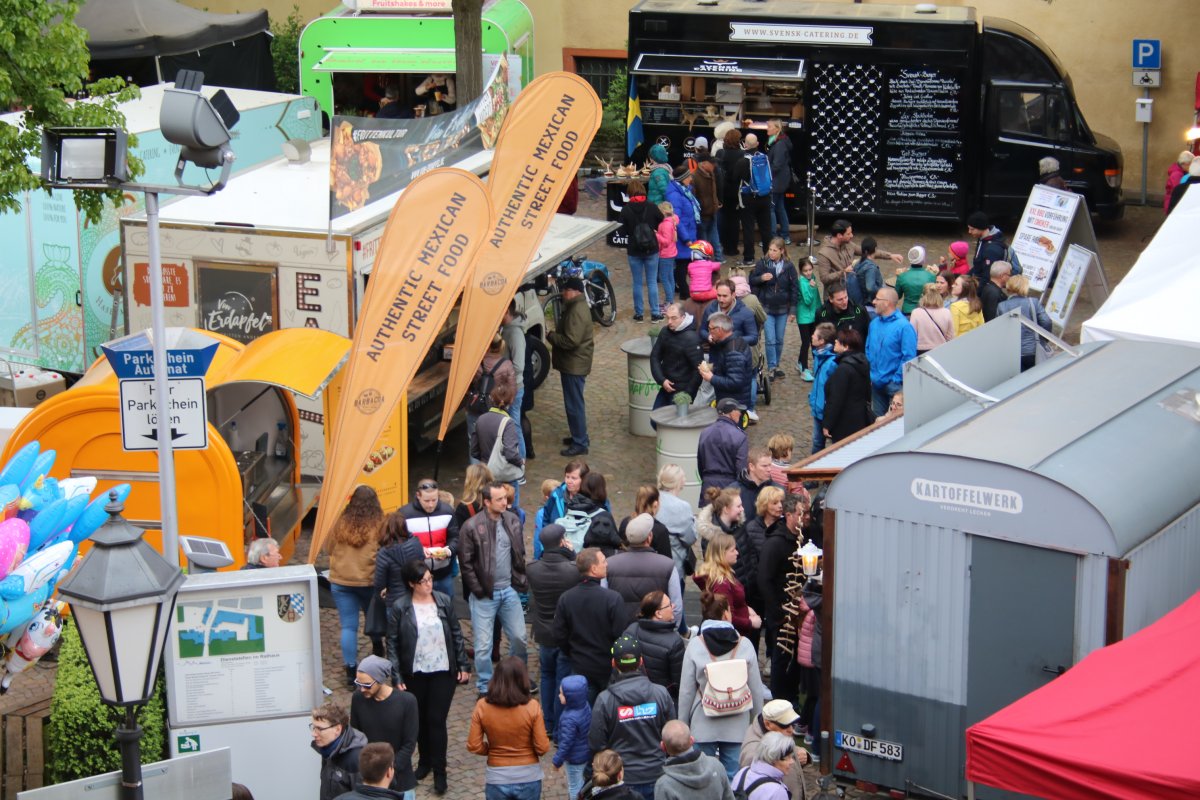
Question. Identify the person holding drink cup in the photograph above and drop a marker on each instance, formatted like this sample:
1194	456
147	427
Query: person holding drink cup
438	93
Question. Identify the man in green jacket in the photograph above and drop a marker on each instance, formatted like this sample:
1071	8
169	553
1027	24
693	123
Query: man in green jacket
572	345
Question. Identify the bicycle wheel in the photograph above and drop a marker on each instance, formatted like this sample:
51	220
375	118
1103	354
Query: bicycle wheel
764	384
602	298
552	309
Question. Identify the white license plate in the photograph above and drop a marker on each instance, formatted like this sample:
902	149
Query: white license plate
868	747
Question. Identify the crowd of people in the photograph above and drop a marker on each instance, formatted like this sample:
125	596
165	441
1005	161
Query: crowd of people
632	700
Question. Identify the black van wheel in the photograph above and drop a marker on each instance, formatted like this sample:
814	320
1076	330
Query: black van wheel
539	358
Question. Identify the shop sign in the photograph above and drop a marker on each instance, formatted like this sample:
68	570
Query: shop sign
973	499
780	68
800	34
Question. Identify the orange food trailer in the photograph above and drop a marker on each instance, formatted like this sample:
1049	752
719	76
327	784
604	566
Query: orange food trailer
248	481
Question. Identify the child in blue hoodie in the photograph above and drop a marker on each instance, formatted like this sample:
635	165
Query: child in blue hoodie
823	366
572	732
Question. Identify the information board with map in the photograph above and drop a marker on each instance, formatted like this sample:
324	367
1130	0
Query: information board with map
244	646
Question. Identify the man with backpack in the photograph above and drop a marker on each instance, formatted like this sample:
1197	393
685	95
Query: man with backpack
838	253
753	176
989	248
573	344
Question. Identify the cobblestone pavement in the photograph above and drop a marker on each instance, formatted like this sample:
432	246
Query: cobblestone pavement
626	460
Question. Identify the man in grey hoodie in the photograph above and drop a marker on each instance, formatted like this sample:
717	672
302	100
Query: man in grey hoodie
689	774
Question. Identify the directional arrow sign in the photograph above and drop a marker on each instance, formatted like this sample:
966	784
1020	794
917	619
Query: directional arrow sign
187	409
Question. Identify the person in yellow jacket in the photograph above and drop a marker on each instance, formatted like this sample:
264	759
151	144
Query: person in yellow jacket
965	311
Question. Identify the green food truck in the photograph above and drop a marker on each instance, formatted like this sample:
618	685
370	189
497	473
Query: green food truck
350	57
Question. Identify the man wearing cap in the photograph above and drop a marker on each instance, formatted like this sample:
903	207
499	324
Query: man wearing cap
549	578
989	245
891	343
724	449
689	774
386	714
587	619
838	253
573	343
629	717
640	570
777	716
432	523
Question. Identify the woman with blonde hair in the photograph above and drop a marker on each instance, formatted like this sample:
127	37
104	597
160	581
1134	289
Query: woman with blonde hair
352	546
716	574
932	320
679	517
1029	307
608	779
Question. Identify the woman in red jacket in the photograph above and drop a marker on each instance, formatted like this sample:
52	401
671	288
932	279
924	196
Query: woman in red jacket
715	575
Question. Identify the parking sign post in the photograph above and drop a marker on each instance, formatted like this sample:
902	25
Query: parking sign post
1147	61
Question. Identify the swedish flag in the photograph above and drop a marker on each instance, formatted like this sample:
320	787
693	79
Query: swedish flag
634	135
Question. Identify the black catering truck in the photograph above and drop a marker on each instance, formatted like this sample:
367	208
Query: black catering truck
898	111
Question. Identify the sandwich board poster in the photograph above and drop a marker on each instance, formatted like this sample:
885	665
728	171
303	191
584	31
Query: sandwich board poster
1042	233
1061	300
244	646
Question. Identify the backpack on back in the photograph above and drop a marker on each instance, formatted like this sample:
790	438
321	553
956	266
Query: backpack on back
727	686
743	792
760	176
1010	256
479	396
643	236
576	524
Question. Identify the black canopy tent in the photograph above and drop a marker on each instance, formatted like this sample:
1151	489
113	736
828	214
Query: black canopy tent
151	40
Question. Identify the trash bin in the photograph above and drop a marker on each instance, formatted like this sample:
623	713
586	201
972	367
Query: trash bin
642	386
678	438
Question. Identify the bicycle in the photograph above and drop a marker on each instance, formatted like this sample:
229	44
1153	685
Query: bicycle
597	290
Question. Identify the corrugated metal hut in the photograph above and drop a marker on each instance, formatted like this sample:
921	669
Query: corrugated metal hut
990	548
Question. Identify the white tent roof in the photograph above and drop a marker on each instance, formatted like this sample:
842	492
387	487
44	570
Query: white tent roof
1152	303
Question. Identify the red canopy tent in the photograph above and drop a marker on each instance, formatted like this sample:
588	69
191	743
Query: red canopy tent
1120	724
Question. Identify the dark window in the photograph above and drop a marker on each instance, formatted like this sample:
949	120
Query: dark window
598	72
1033	113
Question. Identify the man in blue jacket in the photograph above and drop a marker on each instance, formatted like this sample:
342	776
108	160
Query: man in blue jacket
727	303
989	246
891	342
723	450
730	362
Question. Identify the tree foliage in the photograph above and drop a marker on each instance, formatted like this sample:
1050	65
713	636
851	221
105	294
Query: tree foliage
43	61
285	51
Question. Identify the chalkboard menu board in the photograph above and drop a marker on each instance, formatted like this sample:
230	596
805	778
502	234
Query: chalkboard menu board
922	154
666	114
236	301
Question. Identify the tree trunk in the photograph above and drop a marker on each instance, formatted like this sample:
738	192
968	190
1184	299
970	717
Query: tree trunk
468	49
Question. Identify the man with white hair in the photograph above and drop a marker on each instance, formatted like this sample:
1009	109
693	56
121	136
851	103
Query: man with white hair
755	208
639	570
991	292
263	553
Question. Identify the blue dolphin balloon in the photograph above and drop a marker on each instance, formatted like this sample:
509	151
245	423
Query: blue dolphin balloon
19	465
41	466
94	515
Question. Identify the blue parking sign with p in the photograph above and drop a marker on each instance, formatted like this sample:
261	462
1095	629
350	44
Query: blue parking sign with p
1147	54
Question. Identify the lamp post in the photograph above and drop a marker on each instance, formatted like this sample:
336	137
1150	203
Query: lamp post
95	158
122	596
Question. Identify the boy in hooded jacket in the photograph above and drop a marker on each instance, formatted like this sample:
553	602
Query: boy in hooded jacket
823	366
572	732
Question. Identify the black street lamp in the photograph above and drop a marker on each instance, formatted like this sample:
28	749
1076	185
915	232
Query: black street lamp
122	596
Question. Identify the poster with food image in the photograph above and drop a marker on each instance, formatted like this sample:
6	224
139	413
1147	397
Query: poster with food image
371	158
1061	300
1041	236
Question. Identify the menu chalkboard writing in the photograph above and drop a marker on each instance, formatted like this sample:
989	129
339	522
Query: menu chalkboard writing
653	114
237	301
922	163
